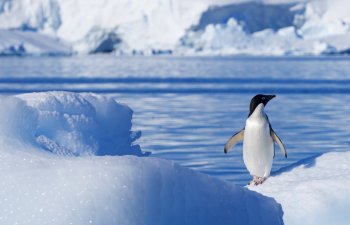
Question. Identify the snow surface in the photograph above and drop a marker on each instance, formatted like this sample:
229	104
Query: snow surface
313	191
205	27
51	174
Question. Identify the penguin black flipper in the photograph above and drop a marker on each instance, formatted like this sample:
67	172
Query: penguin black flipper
233	140
279	142
276	139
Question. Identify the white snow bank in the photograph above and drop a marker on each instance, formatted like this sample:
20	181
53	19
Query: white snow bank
69	123
38	187
315	192
14	42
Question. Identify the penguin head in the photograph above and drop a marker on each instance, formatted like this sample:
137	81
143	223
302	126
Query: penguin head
258	99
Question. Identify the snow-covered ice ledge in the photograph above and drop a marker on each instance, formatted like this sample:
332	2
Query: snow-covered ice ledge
313	191
44	182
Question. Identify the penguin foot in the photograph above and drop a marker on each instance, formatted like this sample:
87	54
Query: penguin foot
256	181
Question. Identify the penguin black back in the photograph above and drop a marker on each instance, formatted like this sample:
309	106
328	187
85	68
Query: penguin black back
257	99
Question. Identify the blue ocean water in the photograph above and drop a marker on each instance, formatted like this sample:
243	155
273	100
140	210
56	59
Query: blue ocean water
187	107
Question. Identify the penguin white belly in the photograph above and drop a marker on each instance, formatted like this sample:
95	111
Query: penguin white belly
258	146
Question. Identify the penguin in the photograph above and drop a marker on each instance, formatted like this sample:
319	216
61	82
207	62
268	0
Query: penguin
258	141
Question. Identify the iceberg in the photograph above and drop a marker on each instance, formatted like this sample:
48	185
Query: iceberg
69	158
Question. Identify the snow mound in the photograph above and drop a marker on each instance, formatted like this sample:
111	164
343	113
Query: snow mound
316	191
41	187
70	123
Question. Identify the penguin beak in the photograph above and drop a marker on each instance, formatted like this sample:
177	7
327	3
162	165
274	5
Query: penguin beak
269	97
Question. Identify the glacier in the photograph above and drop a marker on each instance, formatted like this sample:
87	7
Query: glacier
201	27
70	158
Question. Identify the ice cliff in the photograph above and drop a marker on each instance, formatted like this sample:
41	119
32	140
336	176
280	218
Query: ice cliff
205	27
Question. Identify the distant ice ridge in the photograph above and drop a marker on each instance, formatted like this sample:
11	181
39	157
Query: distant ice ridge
50	173
313	191
204	27
22	43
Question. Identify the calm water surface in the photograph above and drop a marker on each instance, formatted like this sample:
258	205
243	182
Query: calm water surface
188	107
